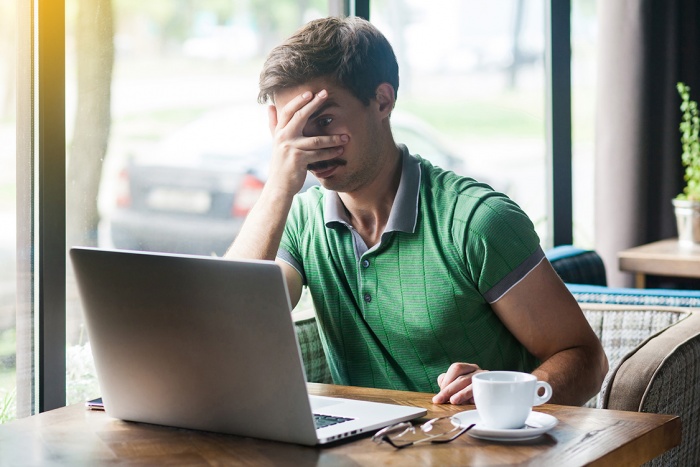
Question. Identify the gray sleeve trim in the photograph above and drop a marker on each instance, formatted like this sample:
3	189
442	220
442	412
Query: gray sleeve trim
516	275
285	256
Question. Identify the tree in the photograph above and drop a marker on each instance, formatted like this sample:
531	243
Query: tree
95	60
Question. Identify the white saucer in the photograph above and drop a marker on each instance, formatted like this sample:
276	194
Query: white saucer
537	424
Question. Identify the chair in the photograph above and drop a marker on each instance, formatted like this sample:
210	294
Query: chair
652	340
654	356
312	352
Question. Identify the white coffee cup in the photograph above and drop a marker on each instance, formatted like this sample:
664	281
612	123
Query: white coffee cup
504	399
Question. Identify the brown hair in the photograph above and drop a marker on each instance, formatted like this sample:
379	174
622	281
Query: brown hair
351	51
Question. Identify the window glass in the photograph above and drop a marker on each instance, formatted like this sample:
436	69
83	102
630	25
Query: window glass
584	28
474	73
167	145
8	44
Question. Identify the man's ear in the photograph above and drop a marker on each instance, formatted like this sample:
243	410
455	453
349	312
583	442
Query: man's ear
272	118
386	98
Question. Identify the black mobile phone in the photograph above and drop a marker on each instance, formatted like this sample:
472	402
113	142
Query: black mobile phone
95	404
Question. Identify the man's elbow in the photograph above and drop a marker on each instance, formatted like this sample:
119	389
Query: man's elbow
599	365
603	365
595	368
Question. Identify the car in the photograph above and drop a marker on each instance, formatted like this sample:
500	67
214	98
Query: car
191	194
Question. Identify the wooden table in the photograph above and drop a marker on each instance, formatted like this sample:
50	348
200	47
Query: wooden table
662	258
75	436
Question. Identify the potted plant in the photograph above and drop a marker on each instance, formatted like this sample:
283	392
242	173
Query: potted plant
687	203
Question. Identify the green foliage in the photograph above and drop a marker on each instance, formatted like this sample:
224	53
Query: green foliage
7	407
517	116
690	139
81	376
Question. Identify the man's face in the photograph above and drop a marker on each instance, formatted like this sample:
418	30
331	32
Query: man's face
341	113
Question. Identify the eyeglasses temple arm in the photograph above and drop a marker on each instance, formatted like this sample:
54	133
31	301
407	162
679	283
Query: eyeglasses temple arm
457	435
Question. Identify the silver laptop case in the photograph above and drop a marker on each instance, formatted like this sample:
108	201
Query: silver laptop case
198	354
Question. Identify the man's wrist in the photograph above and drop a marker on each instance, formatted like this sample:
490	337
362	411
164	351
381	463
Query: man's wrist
277	193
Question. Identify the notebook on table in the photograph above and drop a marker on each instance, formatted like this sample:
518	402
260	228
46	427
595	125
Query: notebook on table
209	344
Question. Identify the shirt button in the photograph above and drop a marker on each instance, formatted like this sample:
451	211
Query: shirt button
368	298
365	263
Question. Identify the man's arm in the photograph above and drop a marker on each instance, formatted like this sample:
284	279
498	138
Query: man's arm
261	233
544	316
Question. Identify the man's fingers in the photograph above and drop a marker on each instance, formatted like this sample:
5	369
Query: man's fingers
313	143
465	396
452	390
287	112
309	150
455	384
299	109
455	371
313	149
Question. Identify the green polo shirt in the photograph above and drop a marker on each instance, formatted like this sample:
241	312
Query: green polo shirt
400	313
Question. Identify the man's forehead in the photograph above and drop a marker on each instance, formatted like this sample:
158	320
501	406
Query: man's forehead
284	95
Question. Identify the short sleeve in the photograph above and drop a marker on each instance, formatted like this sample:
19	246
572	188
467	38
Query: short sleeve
289	250
305	213
501	246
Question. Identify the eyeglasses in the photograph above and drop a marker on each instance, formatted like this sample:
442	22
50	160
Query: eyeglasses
437	430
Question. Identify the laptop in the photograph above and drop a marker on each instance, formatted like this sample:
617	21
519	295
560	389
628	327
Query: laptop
208	344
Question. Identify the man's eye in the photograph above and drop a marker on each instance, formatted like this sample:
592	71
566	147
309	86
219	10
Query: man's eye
324	121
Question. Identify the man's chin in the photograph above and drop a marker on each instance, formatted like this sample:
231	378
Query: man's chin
332	184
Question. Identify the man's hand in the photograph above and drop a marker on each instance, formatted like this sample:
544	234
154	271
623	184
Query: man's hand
456	384
292	150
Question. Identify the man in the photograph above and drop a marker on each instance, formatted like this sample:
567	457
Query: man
420	278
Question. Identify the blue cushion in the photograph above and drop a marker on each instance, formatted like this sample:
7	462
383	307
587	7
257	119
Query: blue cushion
563	251
629	296
577	266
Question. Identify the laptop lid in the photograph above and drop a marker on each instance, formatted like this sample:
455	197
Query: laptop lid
203	343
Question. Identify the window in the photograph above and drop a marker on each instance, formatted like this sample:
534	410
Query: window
167	145
8	346
583	87
474	71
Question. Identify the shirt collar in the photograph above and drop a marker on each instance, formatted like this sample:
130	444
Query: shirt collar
404	212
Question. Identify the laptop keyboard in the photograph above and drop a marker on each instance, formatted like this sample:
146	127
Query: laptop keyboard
323	421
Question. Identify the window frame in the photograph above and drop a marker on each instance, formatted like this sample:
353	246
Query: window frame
41	213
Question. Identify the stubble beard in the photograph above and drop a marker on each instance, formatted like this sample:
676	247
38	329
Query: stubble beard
367	163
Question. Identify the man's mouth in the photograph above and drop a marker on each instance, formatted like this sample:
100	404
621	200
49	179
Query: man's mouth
322	166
